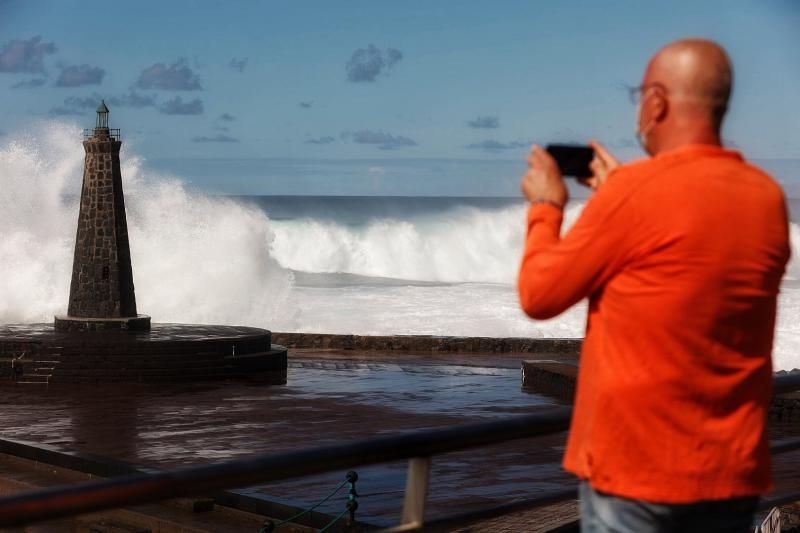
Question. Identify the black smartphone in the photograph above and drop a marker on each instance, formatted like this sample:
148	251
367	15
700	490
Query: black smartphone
573	160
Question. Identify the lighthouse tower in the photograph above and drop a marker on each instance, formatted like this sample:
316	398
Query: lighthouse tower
101	295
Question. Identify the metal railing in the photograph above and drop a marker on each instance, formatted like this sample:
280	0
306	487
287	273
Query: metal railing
418	447
113	133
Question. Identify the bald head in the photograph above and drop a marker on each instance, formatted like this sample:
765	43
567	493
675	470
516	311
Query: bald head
684	95
696	73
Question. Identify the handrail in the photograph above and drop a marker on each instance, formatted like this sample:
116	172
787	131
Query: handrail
447	523
71	500
113	133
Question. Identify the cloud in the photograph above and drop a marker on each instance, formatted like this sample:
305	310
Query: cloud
29	84
238	64
491	145
177	106
393	56
382	139
366	64
327	139
133	99
215	139
306	105
79	75
484	122
175	77
19	55
75	105
227	118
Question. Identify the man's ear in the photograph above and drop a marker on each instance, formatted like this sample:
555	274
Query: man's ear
659	107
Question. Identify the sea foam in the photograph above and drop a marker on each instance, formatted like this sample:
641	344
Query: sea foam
196	258
209	259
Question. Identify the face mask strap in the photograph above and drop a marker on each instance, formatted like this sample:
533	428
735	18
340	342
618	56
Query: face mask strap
641	136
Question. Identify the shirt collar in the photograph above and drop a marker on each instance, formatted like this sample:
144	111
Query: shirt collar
694	150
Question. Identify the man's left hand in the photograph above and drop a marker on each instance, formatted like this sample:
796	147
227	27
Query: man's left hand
543	181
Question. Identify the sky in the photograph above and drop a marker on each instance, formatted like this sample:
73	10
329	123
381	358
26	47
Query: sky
380	84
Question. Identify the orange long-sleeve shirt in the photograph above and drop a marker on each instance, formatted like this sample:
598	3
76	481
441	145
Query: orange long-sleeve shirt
681	257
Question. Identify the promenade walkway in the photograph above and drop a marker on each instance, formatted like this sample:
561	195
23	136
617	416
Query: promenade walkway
329	398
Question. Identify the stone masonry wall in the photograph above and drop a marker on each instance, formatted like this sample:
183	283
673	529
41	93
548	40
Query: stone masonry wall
102	278
429	343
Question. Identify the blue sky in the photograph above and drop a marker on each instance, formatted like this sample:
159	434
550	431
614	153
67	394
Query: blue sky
374	80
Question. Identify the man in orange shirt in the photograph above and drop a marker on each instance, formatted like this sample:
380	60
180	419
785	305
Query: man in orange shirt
681	256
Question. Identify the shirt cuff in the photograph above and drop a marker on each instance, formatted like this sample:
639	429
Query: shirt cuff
547	214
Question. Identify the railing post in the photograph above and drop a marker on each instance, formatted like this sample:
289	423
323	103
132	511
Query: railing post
352	495
416	491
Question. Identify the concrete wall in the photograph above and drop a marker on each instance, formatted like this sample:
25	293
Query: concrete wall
427	343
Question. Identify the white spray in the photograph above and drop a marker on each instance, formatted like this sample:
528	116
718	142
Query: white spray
206	259
195	258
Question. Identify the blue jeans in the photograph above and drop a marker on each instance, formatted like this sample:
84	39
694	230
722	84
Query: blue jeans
604	513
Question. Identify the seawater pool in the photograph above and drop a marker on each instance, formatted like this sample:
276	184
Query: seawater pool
328	398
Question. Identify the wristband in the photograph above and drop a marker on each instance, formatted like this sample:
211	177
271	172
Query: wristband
537	201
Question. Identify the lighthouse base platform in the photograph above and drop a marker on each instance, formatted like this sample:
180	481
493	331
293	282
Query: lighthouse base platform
75	323
43	354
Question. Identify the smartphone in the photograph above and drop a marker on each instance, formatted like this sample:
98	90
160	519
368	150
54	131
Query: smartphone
573	160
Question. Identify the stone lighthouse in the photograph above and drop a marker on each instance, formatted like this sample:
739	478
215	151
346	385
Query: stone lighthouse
101	295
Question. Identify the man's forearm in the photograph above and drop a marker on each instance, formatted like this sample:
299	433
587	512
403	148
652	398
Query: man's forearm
557	273
544	227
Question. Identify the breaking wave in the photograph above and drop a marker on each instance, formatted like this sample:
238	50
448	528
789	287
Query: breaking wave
446	270
196	258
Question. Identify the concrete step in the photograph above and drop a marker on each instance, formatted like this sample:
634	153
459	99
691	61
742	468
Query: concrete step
29	373
172	356
134	378
140	365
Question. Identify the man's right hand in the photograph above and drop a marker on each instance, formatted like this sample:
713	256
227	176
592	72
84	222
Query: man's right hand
601	166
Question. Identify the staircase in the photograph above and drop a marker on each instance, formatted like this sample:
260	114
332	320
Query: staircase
37	369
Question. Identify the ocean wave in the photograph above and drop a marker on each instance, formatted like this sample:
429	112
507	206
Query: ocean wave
196	258
457	245
207	259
